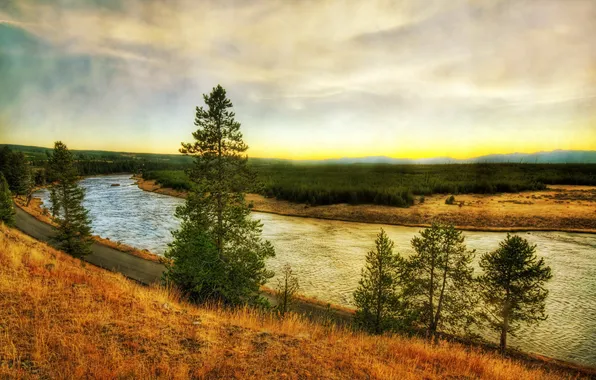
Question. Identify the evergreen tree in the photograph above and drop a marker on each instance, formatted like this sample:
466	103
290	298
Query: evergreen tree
16	170
378	295
74	231
287	286
512	286
218	252
6	207
440	285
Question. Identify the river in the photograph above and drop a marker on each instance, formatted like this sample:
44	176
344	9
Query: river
327	256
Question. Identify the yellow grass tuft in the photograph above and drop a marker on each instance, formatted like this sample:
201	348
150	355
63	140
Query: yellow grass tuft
61	318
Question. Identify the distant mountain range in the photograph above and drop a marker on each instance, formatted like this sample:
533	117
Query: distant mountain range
552	157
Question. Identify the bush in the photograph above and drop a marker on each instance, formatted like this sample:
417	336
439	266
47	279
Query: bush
421	199
450	200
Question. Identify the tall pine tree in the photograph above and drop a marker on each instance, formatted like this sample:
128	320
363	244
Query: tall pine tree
512	286
74	231
6	207
377	297
218	253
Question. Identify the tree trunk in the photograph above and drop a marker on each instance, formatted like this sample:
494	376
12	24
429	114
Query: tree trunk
441	296
379	299
504	328
285	301
219	201
431	327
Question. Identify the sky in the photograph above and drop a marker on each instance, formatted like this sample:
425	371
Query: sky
309	79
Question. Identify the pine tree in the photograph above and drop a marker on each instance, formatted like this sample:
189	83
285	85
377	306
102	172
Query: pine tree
287	286
6	207
218	253
377	297
440	285
74	231
16	170
512	286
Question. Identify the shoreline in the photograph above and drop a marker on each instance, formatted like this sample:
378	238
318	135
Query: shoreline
325	312
471	210
311	307
36	210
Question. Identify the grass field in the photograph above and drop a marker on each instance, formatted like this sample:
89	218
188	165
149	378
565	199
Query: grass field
64	319
395	185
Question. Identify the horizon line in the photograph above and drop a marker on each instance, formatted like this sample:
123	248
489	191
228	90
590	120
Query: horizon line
325	159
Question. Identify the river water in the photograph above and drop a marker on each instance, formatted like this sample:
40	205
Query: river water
327	256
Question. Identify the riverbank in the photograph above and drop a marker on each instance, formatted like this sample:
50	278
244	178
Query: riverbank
296	226
36	209
559	208
65	319
309	307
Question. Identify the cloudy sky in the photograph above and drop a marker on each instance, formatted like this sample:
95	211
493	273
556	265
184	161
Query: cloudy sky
308	79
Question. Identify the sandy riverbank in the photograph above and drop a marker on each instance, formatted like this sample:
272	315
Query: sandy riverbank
560	208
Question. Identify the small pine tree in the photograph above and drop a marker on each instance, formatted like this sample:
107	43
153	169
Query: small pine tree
218	253
378	295
439	281
287	287
6	207
512	286
74	231
16	170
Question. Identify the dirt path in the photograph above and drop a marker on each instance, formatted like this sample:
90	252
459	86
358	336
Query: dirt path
149	272
136	268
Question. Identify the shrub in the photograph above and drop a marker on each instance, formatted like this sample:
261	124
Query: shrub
450	200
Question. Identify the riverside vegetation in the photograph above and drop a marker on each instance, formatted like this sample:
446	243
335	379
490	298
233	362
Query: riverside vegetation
63	319
324	184
434	291
394	185
219	256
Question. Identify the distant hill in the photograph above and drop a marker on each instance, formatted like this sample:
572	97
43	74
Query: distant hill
552	157
39	153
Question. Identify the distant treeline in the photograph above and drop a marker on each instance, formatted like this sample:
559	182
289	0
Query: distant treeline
395	185
89	162
323	184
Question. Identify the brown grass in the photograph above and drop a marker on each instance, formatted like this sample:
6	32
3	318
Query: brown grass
560	208
60	318
42	214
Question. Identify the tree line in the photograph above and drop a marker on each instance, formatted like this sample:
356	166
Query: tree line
391	184
435	292
218	254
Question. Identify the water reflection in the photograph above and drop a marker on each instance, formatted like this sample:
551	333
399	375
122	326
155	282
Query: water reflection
328	255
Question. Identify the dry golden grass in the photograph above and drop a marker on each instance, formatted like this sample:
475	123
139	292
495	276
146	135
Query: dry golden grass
60	318
569	208
560	208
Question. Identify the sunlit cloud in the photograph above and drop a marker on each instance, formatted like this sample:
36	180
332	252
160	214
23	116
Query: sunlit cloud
308	78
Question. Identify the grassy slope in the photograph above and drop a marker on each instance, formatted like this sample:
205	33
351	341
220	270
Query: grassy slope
62	319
